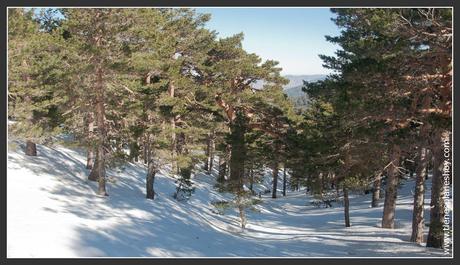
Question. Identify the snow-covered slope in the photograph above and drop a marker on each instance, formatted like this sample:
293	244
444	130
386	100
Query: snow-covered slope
53	211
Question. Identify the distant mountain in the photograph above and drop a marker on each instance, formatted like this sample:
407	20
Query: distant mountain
294	88
296	81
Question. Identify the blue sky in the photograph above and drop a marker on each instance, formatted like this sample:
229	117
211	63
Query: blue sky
292	36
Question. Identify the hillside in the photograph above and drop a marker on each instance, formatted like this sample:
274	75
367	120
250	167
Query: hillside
53	211
294	88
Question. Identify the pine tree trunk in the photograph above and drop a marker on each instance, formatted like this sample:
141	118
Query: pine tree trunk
150	179
101	172
389	207
100	119
90	152
251	178
207	152
284	181
228	157
238	147
419	197
89	158
211	153
435	237
144	149
275	179
94	174
172	122
134	151
31	148
222	169
346	204
147	147
242	215
376	191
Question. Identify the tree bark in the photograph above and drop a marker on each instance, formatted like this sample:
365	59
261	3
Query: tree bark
211	153
346	203
389	207
144	149
150	179
147	147
222	169
101	172
100	119
275	179
242	213
134	150
419	197
172	122
376	191
251	178
238	129
284	181
31	148
435	237
90	151
207	152
94	174
89	158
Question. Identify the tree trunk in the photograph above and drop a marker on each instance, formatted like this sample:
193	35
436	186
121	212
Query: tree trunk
90	151
100	119
346	203
251	178
172	122
144	149
238	129
150	179
435	237
89	158
376	191
222	169
211	153
134	151
275	179
242	215
207	152
148	148
389	207
101	172
94	174
228	157
419	197
284	181
31	148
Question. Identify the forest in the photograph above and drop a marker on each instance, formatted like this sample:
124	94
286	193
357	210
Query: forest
155	87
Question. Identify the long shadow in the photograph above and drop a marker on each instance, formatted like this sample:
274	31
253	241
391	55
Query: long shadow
127	224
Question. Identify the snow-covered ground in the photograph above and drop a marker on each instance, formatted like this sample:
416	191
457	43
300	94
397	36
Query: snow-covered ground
53	211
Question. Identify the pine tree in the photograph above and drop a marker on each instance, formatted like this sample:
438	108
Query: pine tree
34	76
101	37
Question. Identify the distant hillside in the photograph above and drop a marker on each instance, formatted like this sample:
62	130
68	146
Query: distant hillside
294	88
296	81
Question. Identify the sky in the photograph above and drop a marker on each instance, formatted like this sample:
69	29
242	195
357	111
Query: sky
292	36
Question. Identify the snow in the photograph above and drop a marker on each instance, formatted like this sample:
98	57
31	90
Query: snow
53	211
